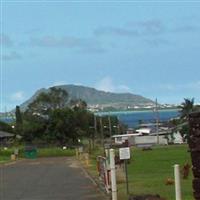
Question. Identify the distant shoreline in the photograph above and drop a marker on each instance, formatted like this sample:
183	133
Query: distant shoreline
134	111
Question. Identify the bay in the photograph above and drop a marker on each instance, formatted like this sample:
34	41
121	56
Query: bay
133	118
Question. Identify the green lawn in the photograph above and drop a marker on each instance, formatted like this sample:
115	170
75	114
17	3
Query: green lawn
148	171
5	154
4	159
55	152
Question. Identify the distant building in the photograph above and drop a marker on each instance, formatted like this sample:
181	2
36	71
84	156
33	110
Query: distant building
120	139
5	137
138	140
144	131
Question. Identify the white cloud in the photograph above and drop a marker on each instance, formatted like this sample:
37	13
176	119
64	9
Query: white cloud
58	83
123	88
106	84
18	96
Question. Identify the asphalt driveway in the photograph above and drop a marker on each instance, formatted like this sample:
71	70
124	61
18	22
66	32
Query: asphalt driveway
47	179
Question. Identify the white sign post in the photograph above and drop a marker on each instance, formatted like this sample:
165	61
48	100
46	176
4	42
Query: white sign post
124	154
113	174
177	182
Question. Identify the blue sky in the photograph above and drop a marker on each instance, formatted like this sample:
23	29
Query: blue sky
147	48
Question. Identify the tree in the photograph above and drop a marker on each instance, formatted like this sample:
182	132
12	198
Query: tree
62	126
34	128
56	98
5	127
19	121
36	117
187	107
78	104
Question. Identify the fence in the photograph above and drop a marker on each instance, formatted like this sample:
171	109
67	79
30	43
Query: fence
104	172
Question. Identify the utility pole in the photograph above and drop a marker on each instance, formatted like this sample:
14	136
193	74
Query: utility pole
102	136
95	129
6	116
118	125
110	127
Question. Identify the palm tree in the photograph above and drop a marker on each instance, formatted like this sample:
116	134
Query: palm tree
187	107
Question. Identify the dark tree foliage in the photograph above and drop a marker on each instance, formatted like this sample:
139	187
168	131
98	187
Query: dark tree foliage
49	118
185	132
56	98
62	126
37	116
19	121
187	107
5	127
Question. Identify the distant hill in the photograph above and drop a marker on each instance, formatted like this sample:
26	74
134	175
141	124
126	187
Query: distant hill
96	97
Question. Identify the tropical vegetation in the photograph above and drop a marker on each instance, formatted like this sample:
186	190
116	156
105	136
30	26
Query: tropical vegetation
55	118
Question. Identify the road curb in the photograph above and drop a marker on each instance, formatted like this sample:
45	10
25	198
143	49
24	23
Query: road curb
95	181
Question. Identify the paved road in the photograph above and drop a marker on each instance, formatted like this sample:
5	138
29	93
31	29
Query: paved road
46	179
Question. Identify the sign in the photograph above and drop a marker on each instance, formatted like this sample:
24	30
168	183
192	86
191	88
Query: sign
124	153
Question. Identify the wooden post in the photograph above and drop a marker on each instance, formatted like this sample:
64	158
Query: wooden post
113	175
177	182
126	172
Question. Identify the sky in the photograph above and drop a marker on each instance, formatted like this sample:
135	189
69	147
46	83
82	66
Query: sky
150	48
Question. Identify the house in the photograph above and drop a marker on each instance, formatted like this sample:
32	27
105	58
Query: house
5	137
150	140
139	139
144	131
120	139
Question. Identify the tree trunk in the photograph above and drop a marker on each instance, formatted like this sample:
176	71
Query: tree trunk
194	144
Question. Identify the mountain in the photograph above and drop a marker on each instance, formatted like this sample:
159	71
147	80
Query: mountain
97	98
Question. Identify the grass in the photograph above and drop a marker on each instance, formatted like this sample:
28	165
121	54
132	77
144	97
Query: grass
55	152
5	154
4	159
148	171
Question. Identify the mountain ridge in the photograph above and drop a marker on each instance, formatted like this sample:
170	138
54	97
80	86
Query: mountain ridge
94	97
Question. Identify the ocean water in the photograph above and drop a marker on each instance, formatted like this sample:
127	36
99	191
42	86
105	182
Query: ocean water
132	118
